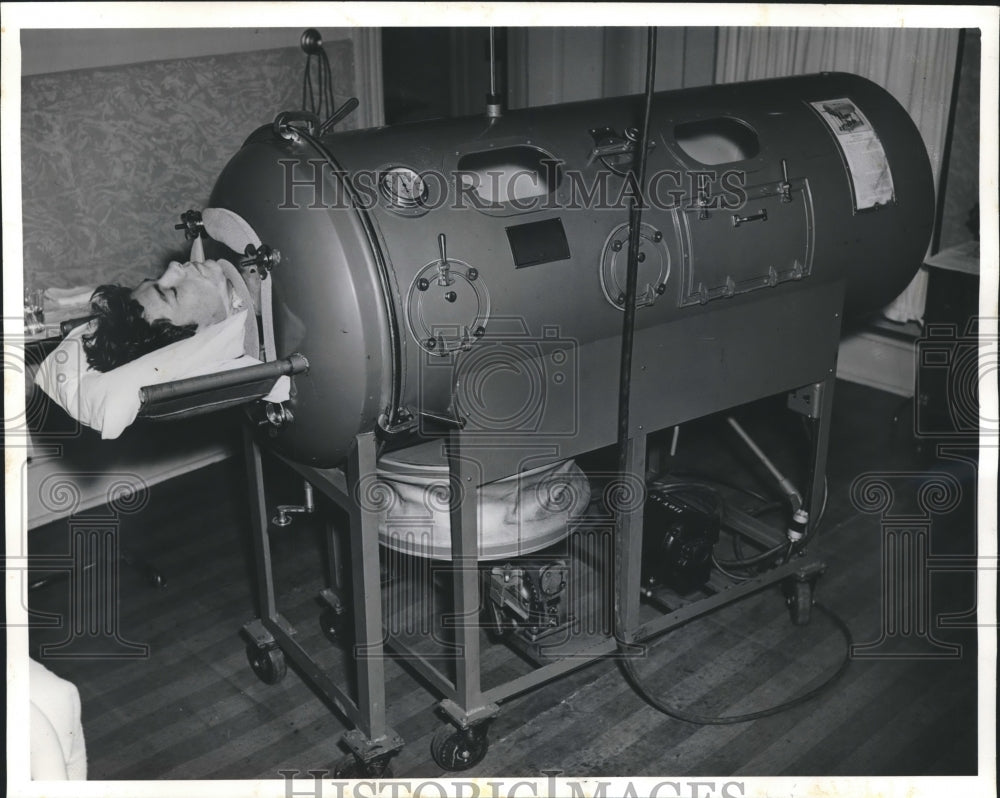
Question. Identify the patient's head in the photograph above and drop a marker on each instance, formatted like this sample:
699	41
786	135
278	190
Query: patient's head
129	323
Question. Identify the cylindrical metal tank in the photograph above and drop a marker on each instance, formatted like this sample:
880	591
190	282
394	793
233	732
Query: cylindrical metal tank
454	267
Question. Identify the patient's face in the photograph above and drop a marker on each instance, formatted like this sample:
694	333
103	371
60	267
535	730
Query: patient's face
186	293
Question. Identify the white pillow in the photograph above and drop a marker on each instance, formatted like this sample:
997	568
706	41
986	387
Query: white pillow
109	401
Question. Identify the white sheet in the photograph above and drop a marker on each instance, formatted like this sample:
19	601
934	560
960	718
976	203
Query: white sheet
109	401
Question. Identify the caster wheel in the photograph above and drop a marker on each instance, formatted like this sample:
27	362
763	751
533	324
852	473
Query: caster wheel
455	749
350	768
800	601
267	663
334	629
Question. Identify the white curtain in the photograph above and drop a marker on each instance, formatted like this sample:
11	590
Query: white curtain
555	65
915	65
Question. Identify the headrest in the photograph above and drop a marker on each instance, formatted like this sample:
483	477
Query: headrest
230	229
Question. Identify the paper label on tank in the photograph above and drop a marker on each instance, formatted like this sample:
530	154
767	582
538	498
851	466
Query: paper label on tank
863	152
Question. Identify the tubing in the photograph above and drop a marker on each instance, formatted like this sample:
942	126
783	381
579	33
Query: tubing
192	386
783	482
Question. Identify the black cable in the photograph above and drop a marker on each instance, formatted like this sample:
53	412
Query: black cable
757	559
628	321
708	720
319	100
699	477
307	87
624	387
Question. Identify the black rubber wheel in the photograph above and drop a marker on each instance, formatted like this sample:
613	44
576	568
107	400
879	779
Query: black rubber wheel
330	622
455	749
800	603
267	663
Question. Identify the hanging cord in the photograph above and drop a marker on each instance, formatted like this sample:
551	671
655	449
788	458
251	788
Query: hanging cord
689	491
628	322
624	387
320	100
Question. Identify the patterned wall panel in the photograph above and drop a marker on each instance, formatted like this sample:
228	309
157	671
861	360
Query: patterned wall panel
111	156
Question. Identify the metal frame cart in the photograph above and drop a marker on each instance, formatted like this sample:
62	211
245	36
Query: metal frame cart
467	705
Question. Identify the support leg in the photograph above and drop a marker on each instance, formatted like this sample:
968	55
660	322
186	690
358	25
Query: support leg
367	594
264	588
627	575
464	742
815	402
464	499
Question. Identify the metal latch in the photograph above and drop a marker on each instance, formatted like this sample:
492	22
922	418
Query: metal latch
607	142
287	124
784	186
760	216
191	224
264	258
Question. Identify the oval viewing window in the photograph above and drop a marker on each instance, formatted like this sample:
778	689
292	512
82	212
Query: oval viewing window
715	141
509	174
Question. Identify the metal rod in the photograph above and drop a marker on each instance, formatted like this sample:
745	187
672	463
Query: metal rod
315	675
552	670
493	63
494	103
794	497
339	115
293	364
419	662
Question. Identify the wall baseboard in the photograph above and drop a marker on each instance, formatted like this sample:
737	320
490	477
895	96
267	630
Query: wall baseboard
886	362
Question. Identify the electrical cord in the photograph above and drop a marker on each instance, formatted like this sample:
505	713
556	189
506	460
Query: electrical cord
696	476
628	334
321	101
724	572
708	720
757	559
780	553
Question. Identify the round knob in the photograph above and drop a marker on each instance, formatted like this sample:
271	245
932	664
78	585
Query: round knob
311	42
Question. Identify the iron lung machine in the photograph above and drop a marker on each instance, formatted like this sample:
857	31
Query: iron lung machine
457	288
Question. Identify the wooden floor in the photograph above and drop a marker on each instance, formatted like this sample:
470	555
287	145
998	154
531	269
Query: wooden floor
192	709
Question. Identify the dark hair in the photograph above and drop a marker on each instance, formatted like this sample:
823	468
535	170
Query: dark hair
121	334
